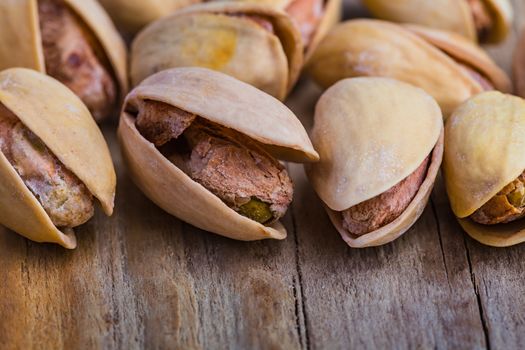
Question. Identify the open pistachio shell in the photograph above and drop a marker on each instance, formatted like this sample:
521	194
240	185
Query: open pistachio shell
332	13
220	36
450	15
131	15
357	132
485	138
63	123
223	100
21	39
376	48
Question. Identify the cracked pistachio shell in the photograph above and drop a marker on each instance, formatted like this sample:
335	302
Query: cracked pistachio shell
423	58
485	139
331	16
63	123
371	133
131	15
217	35
223	100
450	15
21	38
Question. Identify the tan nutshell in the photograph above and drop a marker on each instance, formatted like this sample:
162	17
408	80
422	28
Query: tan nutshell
519	66
483	20
62	122
445	65
357	132
227	102
251	42
22	45
485	138
132	15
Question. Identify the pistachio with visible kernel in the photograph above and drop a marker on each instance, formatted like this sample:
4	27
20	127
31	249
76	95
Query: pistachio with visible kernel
204	147
251	42
446	65
53	159
482	20
374	182
74	41
484	167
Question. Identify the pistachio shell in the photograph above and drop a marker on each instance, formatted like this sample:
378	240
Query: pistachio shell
331	16
450	15
518	66
485	138
132	15
19	28
358	123
63	123
224	100
466	52
212	36
377	48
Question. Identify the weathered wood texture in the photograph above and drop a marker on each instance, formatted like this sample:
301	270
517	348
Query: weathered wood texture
143	279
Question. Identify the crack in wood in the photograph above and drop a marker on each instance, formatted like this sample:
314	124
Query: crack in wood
436	219
298	292
478	297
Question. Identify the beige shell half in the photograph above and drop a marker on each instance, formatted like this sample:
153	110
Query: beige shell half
485	139
449	15
63	123
224	100
131	15
375	48
21	39
371	133
215	35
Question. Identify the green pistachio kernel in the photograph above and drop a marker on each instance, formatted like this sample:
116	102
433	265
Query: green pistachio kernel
256	210
517	197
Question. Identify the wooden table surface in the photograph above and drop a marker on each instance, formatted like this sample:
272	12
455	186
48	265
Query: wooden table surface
144	279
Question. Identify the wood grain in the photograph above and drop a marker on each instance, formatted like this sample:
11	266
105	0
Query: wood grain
144	279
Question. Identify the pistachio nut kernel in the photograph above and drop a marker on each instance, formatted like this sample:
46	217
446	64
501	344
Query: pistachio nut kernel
63	196
228	164
506	206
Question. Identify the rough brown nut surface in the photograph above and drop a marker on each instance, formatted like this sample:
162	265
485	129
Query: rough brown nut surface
63	196
227	163
381	210
70	57
307	14
506	206
482	18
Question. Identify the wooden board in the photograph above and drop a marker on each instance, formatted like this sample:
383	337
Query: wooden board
143	279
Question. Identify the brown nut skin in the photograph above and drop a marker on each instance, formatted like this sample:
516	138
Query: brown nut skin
438	59
57	128
74	41
381	210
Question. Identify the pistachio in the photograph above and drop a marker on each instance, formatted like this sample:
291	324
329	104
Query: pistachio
374	183
482	20
47	170
484	167
446	65
312	17
73	41
205	148
251	42
132	15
